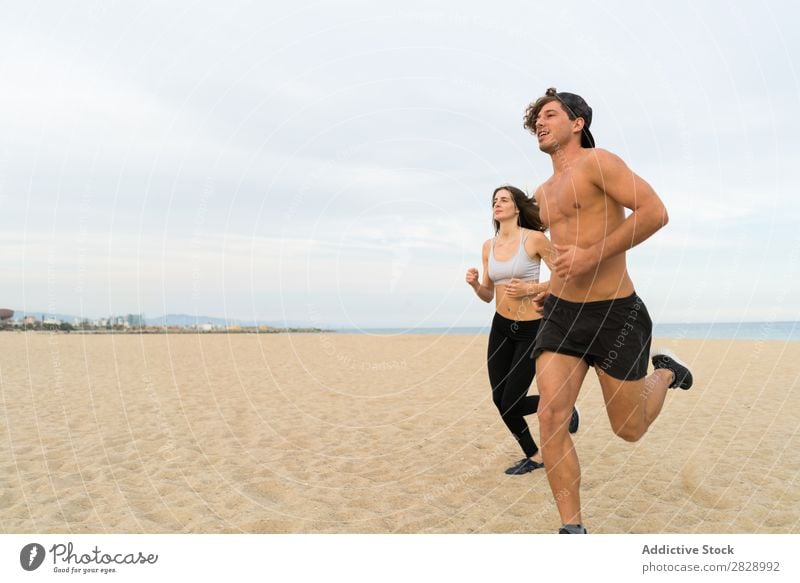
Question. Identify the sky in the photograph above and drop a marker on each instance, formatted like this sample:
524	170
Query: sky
332	163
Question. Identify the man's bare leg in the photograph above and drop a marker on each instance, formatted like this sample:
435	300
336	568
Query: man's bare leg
559	378
632	406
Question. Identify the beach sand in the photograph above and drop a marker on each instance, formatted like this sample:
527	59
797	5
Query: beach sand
333	433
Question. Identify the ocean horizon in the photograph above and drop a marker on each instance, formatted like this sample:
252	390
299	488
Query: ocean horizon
787	331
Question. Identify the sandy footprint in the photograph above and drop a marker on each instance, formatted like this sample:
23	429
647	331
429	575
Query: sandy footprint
703	487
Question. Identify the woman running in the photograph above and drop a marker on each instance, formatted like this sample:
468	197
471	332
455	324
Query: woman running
511	274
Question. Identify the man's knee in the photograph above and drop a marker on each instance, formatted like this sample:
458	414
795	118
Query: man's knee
551	419
629	431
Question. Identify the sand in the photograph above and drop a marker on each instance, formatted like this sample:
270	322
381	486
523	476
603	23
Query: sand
331	433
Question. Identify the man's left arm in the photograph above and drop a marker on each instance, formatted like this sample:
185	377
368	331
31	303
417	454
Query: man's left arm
618	182
624	186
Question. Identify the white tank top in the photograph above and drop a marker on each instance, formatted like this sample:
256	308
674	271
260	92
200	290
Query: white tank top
520	266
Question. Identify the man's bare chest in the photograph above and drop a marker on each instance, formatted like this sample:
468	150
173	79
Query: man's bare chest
564	198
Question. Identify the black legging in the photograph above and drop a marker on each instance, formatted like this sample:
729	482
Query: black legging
511	372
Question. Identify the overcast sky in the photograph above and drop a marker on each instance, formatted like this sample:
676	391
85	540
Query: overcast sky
333	162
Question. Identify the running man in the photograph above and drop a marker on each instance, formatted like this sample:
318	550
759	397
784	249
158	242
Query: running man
592	315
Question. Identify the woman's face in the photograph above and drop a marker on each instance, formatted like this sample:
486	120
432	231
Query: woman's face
504	207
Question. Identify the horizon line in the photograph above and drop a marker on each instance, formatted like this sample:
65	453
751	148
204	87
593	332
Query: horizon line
370	326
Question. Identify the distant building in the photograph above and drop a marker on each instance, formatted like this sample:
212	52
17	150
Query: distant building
135	320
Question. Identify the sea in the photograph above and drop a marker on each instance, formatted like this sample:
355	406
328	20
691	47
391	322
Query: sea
786	331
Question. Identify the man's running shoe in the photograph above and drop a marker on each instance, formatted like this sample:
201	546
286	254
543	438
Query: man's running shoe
572	529
663	358
575	422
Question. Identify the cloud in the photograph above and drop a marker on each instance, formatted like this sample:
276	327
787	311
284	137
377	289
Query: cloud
263	158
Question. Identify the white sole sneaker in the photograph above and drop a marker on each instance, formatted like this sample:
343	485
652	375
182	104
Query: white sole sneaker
664	358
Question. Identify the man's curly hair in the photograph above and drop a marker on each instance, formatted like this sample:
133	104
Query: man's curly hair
529	119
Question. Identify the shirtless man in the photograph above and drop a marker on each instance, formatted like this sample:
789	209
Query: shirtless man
592	315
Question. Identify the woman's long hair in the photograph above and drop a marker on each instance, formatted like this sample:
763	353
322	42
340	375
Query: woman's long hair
528	217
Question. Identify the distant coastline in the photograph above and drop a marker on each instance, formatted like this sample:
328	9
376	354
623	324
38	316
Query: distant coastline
139	324
196	324
168	330
787	331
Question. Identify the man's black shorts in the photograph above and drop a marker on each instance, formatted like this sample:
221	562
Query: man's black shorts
613	335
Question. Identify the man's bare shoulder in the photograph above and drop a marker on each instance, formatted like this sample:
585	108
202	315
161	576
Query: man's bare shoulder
540	191
600	166
600	158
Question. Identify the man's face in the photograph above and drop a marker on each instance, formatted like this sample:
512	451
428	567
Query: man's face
553	127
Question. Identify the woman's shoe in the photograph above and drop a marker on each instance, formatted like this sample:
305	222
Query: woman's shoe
575	421
524	466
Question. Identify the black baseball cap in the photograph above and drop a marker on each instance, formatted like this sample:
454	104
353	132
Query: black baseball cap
579	108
